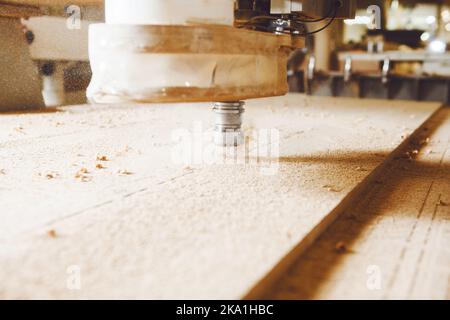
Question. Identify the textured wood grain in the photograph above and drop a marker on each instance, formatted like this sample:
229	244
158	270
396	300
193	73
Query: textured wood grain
399	231
173	230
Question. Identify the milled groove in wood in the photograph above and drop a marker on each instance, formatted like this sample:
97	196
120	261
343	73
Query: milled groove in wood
267	283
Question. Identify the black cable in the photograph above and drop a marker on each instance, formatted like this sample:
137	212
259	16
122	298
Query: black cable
332	19
324	27
333	9
328	15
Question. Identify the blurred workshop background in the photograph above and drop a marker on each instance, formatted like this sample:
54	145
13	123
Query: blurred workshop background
393	49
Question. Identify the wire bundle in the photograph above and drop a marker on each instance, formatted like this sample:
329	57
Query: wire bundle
297	23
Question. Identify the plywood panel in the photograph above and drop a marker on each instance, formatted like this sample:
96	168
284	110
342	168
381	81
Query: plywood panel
168	229
394	241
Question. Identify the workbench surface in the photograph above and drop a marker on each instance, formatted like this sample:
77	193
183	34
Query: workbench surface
107	193
395	238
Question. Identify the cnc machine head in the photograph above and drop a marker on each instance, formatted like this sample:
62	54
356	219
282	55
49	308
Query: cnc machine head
290	16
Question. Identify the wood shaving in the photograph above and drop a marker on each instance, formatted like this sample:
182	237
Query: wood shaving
124	173
406	156
51	175
52	233
19	129
442	203
341	247
2	172
102	158
405	135
332	188
100	166
84	178
82	175
83	171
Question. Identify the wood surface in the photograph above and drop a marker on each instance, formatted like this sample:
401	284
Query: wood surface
144	225
398	231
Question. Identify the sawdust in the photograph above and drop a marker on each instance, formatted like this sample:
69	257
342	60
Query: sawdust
125	172
341	247
405	156
82	175
102	158
51	175
52	233
84	178
332	188
443	203
405	135
124	152
19	129
100	166
83	171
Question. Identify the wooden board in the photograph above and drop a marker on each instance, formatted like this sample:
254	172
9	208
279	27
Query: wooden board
396	236
171	229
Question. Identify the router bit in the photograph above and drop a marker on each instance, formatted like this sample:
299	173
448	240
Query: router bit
228	123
